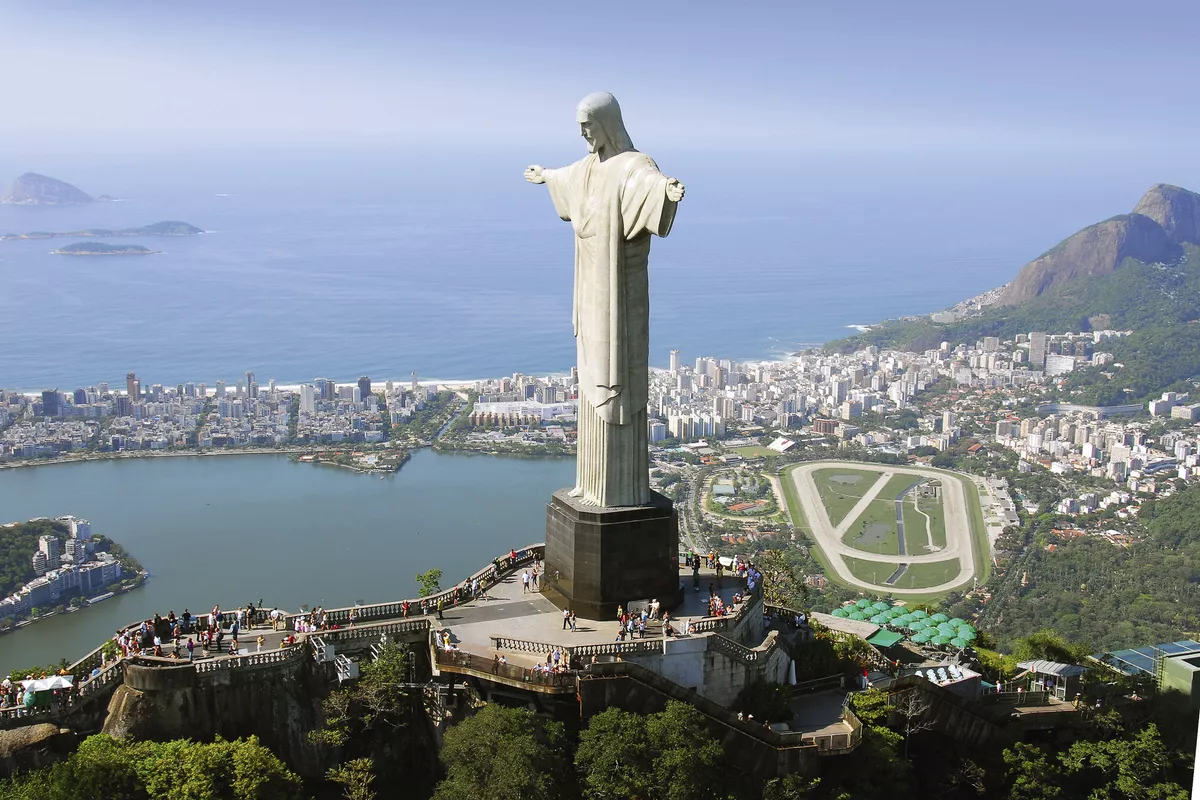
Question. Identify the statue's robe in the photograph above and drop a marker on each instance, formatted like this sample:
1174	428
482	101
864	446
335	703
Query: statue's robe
614	206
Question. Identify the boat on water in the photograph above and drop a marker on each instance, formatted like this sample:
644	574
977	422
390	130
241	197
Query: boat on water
100	597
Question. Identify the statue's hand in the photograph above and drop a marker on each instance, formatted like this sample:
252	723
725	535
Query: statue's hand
535	174
674	190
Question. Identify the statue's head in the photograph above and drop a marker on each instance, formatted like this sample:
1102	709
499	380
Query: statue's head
600	124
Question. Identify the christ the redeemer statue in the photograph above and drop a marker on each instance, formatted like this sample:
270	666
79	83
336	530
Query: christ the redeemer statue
614	198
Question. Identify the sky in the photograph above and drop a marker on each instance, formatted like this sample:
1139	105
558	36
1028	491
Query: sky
1019	76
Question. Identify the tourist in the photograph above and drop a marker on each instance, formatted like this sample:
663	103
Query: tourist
571	622
496	664
353	616
441	604
191	647
405	609
566	619
524	581
261	641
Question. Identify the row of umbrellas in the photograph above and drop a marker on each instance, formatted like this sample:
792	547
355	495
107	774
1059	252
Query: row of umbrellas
922	627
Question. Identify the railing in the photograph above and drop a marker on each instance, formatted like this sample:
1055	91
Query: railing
462	661
291	653
524	645
408	626
70	698
747	655
580	651
832	744
706	624
487	576
115	671
817	685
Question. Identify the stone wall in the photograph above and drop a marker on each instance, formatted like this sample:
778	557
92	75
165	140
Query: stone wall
278	702
714	672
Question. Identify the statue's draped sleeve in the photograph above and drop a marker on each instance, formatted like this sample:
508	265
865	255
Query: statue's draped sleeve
561	184
644	204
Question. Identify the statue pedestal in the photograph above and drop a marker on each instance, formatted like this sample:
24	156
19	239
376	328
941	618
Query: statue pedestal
609	557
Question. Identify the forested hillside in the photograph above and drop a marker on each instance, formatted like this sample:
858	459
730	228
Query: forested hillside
1109	597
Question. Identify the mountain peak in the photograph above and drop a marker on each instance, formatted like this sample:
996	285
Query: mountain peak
1176	210
36	190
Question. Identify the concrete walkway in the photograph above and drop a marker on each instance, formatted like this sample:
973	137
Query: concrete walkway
510	612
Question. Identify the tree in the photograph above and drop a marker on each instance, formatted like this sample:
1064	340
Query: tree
355	777
430	581
614	756
121	770
381	699
665	755
913	707
504	749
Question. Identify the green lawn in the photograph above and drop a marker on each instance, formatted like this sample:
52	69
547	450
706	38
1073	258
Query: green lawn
792	499
937	518
916	536
881	515
839	498
753	451
917	576
875	572
920	576
892	489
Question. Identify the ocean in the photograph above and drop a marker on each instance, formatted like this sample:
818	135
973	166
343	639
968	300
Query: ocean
383	263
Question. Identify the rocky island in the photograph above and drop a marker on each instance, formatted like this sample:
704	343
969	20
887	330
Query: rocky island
102	249
166	228
32	189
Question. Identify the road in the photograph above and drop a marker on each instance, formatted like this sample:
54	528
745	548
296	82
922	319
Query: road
959	541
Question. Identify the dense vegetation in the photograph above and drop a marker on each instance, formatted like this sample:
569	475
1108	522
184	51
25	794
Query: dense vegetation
1103	596
18	543
114	769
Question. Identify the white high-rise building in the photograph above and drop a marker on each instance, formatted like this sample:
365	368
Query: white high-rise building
674	361
308	399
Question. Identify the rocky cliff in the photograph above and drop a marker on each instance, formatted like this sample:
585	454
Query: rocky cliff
39	190
1164	218
1176	210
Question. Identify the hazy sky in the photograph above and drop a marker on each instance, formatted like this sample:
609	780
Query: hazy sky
1044	75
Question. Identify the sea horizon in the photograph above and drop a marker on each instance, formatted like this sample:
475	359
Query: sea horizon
371	264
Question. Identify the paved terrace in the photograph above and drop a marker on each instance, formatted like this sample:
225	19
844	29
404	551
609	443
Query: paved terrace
523	626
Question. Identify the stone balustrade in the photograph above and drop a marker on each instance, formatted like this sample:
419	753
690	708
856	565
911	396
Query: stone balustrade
747	655
464	662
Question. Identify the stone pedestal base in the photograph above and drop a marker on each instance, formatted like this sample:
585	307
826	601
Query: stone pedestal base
600	558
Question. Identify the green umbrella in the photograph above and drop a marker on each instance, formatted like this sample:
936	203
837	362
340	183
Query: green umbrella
958	622
894	611
920	613
857	615
958	642
946	628
939	618
970	628
880	606
966	635
941	640
918	625
840	612
879	619
863	602
904	619
921	638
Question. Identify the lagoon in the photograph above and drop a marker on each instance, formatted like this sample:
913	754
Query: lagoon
234	529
